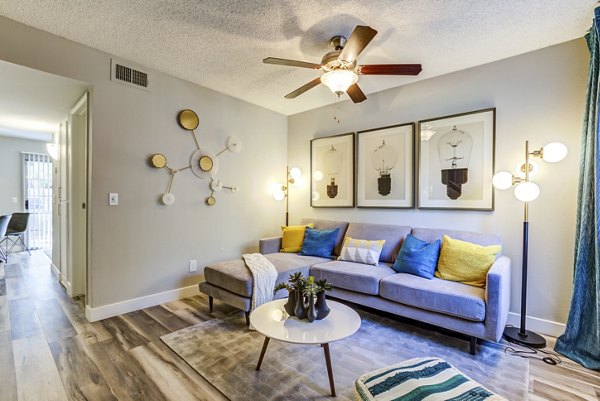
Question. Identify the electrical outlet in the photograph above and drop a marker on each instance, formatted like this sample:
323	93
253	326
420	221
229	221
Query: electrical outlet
113	199
193	266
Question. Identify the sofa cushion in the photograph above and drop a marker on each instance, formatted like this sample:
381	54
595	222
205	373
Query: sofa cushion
432	234
418	257
319	242
361	251
234	275
466	262
448	297
292	238
321	224
352	276
393	236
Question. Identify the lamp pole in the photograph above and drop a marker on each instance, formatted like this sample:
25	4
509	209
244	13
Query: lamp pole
287	192
521	335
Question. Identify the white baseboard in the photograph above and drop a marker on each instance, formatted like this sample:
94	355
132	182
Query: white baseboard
55	270
119	308
538	325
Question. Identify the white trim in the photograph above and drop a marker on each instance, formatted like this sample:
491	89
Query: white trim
55	271
541	326
119	308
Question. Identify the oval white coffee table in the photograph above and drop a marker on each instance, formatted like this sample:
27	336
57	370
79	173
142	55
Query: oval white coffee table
273	322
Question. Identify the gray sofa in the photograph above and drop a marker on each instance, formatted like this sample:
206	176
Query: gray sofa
480	313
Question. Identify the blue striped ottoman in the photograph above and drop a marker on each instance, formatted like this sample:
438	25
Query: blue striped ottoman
430	379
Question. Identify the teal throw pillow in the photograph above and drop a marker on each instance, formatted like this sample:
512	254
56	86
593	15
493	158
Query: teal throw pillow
319	242
418	257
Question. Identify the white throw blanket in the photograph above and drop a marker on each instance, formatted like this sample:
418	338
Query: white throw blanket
264	276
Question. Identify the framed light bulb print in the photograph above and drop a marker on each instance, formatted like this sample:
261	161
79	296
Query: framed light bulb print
385	167
332	171
455	161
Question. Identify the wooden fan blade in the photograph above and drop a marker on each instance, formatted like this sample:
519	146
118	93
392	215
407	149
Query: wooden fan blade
359	39
303	88
356	94
389	69
291	63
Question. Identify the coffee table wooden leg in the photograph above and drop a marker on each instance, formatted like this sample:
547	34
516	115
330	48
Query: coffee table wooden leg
262	353
329	370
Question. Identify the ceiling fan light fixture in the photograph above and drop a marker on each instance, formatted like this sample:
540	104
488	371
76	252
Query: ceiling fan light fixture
338	81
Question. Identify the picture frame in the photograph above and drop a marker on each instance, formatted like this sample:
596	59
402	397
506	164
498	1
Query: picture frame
332	171
385	167
456	161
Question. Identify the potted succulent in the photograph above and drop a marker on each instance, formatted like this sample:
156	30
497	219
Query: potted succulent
306	297
295	287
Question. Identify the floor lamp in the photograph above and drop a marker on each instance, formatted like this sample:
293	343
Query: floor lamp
281	191
527	191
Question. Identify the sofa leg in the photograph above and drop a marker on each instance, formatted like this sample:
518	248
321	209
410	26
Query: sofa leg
473	345
210	304
247	313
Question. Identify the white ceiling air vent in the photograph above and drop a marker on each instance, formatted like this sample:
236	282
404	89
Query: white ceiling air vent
127	75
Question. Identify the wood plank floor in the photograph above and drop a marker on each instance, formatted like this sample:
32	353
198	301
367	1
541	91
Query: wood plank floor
49	351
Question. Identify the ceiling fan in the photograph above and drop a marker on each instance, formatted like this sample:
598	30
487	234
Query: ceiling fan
340	69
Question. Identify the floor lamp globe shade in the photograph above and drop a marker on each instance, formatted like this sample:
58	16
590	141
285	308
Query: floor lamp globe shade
502	180
527	191
295	173
278	195
554	152
318	175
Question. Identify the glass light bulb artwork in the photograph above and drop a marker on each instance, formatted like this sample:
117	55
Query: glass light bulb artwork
383	159
527	191
318	175
502	180
454	151
203	163
332	161
316	196
554	152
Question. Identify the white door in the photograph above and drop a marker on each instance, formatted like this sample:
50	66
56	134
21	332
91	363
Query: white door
64	209
78	133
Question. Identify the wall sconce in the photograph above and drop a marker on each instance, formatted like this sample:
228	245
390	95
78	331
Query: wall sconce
527	191
281	191
454	151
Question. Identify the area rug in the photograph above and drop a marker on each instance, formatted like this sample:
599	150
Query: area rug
225	353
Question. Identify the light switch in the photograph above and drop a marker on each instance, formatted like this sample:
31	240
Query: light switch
113	199
15	199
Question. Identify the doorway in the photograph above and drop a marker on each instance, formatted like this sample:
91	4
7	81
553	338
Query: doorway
37	193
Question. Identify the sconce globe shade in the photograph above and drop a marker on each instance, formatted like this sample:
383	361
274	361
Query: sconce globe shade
520	169
338	81
279	195
554	152
52	150
295	173
502	180
527	191
318	175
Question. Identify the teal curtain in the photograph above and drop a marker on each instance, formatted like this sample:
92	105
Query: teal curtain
581	340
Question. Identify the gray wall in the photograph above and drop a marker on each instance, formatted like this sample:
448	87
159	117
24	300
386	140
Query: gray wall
539	96
11	170
140	247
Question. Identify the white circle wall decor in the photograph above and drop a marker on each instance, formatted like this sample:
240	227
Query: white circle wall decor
203	162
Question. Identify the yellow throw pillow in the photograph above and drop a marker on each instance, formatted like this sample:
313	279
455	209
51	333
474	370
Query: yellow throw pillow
293	237
465	262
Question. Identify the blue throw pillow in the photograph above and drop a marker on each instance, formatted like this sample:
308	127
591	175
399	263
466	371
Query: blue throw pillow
319	242
418	257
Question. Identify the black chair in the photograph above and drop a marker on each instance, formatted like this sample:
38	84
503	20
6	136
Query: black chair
15	232
4	220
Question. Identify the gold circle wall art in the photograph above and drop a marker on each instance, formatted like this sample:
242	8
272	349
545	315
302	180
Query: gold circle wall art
203	162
